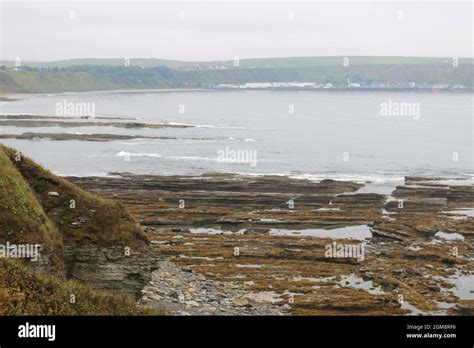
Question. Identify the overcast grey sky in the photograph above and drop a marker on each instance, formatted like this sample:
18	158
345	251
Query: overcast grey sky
212	30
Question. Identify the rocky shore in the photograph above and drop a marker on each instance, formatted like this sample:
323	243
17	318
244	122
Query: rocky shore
232	244
33	121
86	137
179	291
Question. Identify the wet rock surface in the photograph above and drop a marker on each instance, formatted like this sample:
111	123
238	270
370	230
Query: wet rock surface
231	232
86	122
85	137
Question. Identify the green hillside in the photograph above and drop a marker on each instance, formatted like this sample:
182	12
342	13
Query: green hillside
22	218
299	62
277	62
36	208
94	77
141	62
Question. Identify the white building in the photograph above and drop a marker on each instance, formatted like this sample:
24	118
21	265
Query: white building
257	85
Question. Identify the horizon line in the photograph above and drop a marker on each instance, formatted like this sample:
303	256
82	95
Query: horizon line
239	58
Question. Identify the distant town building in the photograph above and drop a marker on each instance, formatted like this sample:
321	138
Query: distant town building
258	85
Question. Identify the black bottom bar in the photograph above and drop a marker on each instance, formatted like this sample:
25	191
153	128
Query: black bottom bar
141	331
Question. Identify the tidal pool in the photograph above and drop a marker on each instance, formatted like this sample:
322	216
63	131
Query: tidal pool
359	232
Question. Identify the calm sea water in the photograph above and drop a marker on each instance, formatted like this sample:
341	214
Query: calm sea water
306	134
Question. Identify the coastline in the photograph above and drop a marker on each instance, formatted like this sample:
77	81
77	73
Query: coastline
282	226
10	97
281	259
258	244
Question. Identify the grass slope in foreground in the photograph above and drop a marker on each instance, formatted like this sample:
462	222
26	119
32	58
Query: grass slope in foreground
25	292
70	215
30	215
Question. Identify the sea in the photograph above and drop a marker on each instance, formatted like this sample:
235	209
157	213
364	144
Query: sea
348	135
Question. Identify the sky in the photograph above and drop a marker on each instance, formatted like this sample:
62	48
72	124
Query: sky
196	31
